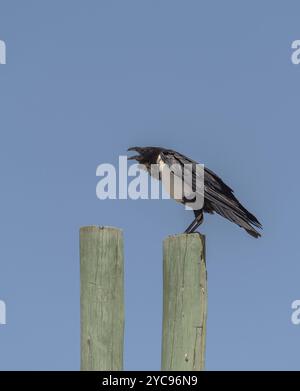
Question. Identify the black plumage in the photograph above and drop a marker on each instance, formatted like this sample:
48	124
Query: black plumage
218	197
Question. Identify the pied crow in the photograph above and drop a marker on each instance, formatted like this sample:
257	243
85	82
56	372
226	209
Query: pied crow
217	196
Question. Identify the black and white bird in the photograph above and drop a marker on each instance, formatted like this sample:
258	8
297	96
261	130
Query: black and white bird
218	197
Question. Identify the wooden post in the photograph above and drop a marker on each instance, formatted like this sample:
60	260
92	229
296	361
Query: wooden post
184	303
101	298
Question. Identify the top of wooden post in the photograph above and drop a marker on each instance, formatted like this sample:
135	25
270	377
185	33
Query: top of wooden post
191	236
94	228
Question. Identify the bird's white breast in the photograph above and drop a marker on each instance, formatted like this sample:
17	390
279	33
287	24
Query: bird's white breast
161	163
172	184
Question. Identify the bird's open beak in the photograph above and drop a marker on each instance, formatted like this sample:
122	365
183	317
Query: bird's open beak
135	157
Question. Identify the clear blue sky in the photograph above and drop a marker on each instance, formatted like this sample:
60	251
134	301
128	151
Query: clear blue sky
84	80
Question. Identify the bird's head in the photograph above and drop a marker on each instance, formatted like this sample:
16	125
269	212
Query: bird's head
146	155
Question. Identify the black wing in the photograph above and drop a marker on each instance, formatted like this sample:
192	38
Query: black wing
218	197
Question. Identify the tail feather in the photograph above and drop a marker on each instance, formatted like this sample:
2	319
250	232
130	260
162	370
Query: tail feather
241	219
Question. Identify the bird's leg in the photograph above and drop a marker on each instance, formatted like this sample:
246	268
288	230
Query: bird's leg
189	228
195	223
200	221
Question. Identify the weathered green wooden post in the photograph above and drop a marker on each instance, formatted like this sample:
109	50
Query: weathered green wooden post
184	303
101	298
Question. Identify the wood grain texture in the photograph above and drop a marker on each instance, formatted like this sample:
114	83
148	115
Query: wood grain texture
101	298
184	302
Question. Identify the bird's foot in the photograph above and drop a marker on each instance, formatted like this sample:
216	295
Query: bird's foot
192	232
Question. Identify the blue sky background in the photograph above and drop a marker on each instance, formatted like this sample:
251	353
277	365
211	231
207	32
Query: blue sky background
84	80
